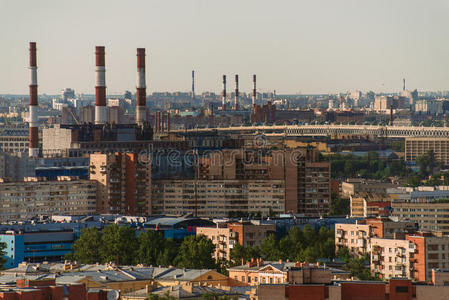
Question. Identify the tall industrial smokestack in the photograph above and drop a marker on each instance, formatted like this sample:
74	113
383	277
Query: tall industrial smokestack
33	147
403	84
223	100
141	88
254	90
236	98
100	87
193	84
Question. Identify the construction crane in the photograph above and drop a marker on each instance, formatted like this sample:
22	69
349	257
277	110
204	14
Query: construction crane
74	117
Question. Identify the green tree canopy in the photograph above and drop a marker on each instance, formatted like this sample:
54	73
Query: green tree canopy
118	244
196	252
150	247
87	247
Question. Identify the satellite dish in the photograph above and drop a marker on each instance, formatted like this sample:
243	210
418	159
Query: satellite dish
113	295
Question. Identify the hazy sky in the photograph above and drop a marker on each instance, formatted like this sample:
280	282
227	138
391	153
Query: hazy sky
310	46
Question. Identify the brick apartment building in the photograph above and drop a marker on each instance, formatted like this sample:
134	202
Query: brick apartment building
123	183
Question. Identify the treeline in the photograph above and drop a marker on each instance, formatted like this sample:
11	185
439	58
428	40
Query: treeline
369	166
358	266
298	245
120	244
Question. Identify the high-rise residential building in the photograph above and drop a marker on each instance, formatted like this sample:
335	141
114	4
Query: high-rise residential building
217	198
123	183
32	197
249	181
417	146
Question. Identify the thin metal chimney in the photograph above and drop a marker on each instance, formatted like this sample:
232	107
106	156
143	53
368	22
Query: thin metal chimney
33	147
223	99
254	90
236	96
100	87
141	88
193	84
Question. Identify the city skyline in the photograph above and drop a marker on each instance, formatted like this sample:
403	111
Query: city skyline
293	47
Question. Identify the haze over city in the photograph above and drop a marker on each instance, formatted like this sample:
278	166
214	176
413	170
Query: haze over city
294	46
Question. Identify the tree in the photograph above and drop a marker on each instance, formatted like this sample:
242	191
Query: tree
150	247
196	252
270	248
339	206
426	163
166	296
118	244
239	253
3	260
168	254
87	247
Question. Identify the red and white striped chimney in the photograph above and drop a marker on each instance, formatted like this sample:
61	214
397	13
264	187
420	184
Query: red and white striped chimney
101	116
223	100
254	90
236	97
33	147
141	88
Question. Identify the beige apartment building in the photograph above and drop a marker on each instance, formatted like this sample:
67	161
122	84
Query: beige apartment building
392	258
363	205
33	196
417	146
430	216
355	237
218	198
223	238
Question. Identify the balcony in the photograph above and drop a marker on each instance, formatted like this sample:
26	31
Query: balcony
360	242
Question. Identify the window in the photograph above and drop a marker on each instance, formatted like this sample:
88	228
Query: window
402	289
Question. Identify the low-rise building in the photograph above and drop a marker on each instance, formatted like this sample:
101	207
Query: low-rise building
393	289
226	235
354	186
357	237
257	272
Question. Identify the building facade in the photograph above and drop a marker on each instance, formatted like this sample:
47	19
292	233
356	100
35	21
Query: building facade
417	146
35	197
123	183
